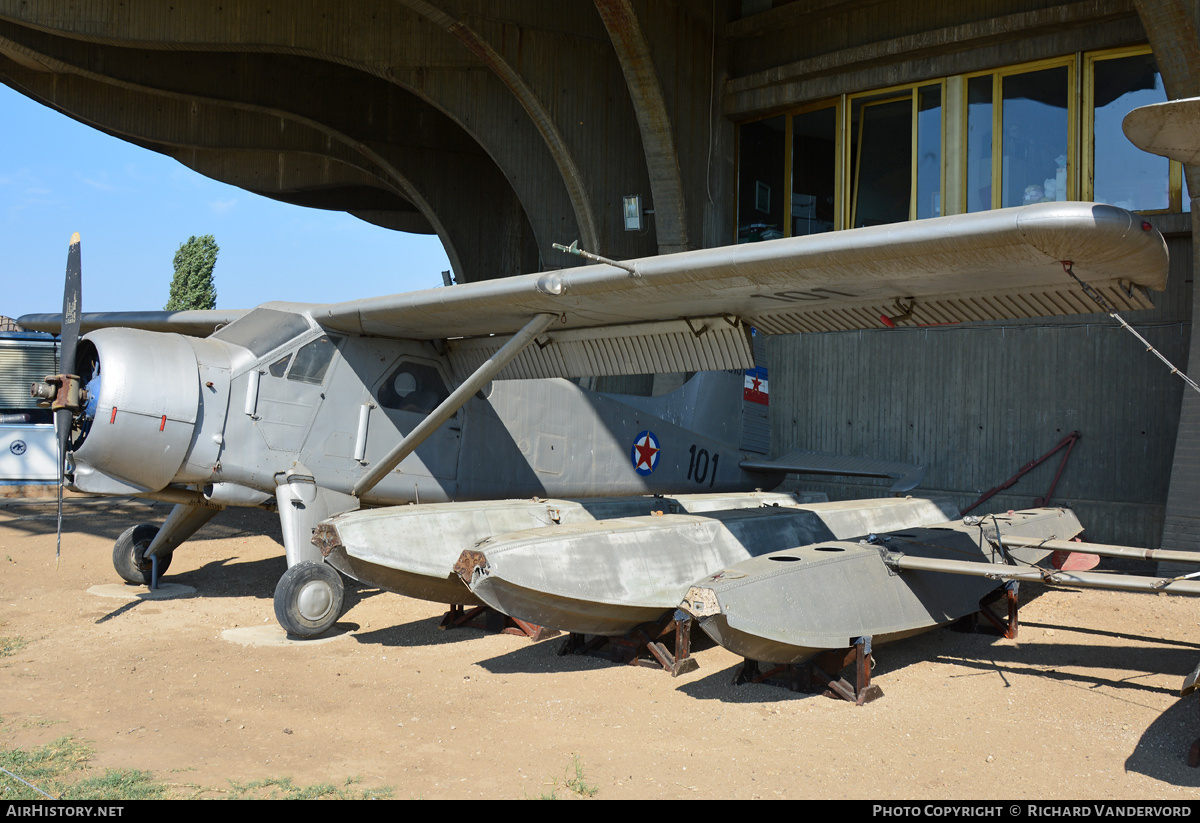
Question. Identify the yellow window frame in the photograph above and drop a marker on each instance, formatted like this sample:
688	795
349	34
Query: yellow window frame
1070	62
1088	182
848	190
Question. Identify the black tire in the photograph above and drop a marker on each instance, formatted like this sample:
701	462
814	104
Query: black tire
308	599
129	555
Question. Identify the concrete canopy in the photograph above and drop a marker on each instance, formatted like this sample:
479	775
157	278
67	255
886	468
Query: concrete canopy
501	127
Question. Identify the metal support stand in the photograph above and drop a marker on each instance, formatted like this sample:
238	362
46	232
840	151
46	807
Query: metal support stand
644	646
1194	751
1191	683
817	675
1007	629
490	620
1067	443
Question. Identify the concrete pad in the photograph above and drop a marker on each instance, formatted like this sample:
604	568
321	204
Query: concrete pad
274	635
121	591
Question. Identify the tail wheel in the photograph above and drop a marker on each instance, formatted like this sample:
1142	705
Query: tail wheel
129	555
308	599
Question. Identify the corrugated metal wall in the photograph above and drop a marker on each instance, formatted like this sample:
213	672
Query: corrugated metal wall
977	402
22	362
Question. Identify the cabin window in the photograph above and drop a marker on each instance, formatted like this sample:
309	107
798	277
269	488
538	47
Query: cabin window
279	367
312	361
412	387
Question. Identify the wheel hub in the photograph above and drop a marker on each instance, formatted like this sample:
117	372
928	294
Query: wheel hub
314	600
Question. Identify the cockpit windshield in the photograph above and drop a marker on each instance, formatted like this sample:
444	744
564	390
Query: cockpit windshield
263	330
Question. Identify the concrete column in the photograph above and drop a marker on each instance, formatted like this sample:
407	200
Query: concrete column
1172	30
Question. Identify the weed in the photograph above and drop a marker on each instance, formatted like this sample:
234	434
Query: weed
45	767
35	722
578	784
54	769
552	794
118	784
11	645
282	788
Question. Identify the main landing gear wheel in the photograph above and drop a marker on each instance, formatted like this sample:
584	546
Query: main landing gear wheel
129	555
308	599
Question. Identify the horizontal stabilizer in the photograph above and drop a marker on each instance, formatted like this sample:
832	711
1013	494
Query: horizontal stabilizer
906	475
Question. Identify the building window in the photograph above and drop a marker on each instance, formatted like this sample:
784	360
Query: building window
1116	171
896	155
1030	131
814	171
1007	137
760	180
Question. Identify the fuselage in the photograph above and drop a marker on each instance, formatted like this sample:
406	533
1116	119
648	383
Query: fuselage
273	396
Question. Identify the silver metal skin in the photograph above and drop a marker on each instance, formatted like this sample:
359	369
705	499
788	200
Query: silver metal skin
608	576
785	607
305	403
485	372
411	550
987	265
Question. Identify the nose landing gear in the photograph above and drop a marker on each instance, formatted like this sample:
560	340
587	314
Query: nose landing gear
129	555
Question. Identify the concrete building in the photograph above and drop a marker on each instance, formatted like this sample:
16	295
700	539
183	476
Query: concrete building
506	127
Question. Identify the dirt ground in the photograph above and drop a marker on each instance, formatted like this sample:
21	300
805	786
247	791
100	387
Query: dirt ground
1084	704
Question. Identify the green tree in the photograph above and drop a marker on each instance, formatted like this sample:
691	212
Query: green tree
192	287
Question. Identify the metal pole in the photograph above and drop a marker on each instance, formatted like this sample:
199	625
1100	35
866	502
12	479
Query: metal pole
1084	580
1105	550
490	368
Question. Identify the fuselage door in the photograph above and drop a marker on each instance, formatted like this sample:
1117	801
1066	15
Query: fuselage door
410	389
290	392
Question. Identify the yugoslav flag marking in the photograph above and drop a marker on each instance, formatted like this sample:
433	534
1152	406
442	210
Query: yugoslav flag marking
755	387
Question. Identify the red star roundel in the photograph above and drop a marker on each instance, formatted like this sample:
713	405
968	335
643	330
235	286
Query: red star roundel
645	452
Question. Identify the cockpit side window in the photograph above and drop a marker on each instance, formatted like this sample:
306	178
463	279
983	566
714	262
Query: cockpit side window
312	361
279	366
413	387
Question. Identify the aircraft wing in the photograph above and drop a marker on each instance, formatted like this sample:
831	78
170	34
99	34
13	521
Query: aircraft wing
692	311
999	264
194	323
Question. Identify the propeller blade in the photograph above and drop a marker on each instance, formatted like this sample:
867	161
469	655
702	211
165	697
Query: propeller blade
72	308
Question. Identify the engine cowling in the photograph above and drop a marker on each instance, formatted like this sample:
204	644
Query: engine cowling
141	416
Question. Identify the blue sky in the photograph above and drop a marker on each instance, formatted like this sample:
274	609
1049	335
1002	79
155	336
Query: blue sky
134	207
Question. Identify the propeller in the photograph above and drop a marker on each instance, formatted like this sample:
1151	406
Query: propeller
72	307
61	392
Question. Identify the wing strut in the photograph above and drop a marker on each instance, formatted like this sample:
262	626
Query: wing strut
489	369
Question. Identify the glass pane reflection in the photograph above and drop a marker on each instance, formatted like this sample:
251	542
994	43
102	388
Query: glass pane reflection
1035	137
1123	174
